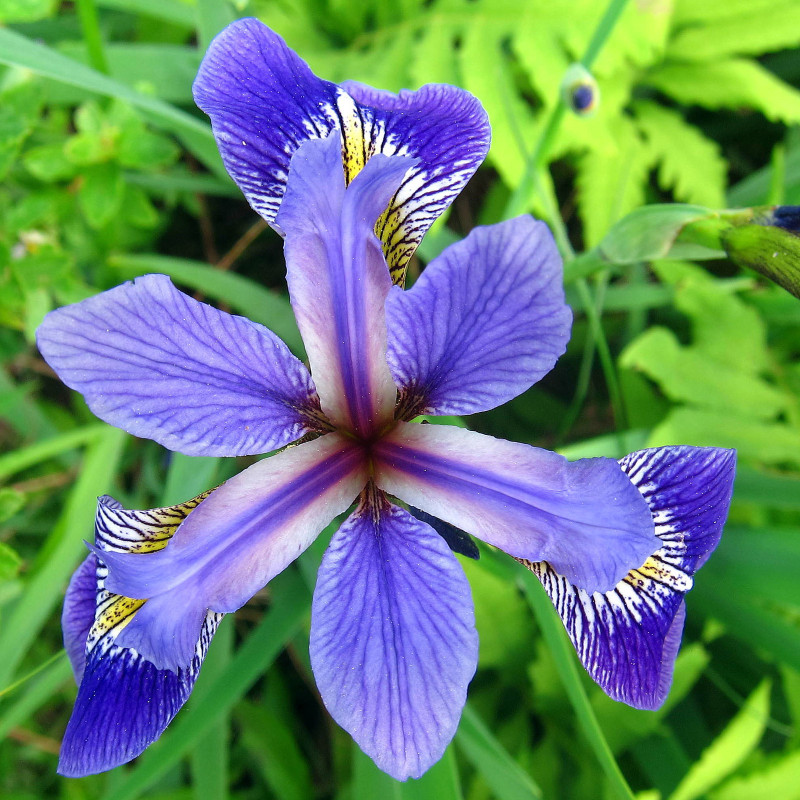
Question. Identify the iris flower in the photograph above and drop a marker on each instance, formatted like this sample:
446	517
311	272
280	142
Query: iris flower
352	177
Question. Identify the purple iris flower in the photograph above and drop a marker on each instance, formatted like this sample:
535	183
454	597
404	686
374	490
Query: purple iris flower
352	179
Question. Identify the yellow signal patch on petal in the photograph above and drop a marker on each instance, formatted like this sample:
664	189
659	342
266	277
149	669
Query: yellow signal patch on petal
128	531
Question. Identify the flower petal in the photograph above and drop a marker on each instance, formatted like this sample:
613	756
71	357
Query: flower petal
77	615
485	321
158	364
338	280
248	531
585	518
264	101
124	703
393	640
628	638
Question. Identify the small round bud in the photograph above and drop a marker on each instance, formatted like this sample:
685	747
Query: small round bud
580	91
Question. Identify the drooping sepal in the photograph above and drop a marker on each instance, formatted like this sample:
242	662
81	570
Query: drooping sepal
124	702
393	640
628	638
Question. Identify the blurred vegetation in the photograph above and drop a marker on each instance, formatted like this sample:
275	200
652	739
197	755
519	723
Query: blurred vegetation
109	171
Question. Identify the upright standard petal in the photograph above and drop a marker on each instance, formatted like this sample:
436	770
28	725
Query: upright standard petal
338	280
124	703
393	640
248	531
264	102
628	638
585	516
485	321
158	364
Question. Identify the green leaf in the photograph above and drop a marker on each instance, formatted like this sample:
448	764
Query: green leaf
773	252
690	164
143	149
11	502
17	50
174	11
750	28
49	163
779	778
728	83
730	748
271	744
776	551
25	10
724	327
506	779
165	71
648	233
13	130
100	195
764	442
10	561
137	210
212	16
60	554
611	185
688	374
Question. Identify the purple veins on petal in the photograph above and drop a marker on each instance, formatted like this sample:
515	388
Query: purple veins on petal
338	280
245	533
628	638
585	515
124	703
484	322
264	102
393	640
158	364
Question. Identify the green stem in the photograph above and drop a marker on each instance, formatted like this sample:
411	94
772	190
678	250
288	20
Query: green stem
518	201
559	647
32	674
603	31
87	13
593	307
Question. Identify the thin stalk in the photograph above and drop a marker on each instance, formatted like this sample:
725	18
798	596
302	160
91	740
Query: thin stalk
519	199
90	25
593	308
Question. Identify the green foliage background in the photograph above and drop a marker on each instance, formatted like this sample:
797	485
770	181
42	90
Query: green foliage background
108	171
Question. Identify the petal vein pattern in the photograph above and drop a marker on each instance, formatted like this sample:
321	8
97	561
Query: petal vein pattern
158	364
586	515
393	640
264	102
628	638
249	530
124	702
338	280
484	322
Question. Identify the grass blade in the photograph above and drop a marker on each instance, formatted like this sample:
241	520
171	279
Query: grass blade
18	460
61	552
563	655
18	51
504	776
